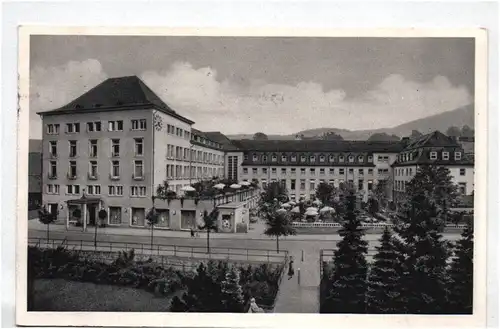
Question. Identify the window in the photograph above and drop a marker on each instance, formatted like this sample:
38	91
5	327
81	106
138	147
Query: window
433	155
293	171
115	147
53	129
93	169
351	171
312	171
264	158
254	171
245	157
302	158
462	188
283	183
302	171
254	158
72	169
72	189
370	185
322	171
274	158
264	170
139	124
321	158
93	148
458	155
53	149
361	158
139	146
52	189
370	158
312	158
245	171
446	156
351	158
138	191
341	158
115	168
138	169
94	189
331	158
283	171
312	185
302	184
370	171
273	171
53	169
115	215
360	184
72	149
264	183
462	171
115	125
361	171
72	128
331	171
293	158
94	126
292	184
283	158
331	182
341	171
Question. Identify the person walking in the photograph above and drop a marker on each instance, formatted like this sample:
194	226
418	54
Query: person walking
291	271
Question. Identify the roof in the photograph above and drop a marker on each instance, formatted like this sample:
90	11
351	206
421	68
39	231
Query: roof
117	94
318	146
222	139
434	139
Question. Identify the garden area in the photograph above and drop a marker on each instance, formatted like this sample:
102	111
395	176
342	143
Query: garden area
66	280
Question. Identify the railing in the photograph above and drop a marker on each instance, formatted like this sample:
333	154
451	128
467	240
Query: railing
191	252
365	225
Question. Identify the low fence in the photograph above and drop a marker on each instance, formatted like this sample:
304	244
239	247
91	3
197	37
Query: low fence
364	225
166	251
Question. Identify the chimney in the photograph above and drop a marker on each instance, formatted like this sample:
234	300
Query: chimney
405	141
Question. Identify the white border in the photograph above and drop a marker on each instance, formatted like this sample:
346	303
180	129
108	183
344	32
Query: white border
174	319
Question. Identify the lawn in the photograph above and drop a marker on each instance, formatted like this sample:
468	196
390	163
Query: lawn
63	295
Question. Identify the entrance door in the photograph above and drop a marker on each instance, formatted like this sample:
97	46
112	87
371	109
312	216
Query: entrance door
91	209
53	208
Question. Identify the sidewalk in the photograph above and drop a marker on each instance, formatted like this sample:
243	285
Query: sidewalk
303	296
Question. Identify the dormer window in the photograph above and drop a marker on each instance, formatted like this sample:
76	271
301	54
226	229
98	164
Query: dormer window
341	158
283	158
264	158
322	158
370	158
254	158
303	158
458	155
274	158
312	158
245	157
433	155
360	158
294	158
446	156
331	158
351	158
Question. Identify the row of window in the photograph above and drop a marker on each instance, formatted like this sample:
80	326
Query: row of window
113	190
409	171
312	158
312	171
433	155
180	172
294	184
93	172
96	126
187	154
94	149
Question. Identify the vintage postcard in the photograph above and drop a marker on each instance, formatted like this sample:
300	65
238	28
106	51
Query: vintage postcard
302	177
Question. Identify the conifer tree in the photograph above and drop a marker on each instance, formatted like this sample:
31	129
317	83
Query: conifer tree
383	295
203	294
232	293
461	274
420	225
348	281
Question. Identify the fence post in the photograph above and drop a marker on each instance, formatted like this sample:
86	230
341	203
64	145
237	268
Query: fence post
158	249
298	275
302	254
247	254
268	256
81	246
227	253
110	246
175	250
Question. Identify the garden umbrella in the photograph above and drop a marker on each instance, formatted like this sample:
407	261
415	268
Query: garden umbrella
327	209
296	210
312	209
292	203
188	189
317	202
311	213
286	205
245	183
219	186
281	211
235	186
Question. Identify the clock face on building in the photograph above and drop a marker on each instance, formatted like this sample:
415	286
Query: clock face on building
158	122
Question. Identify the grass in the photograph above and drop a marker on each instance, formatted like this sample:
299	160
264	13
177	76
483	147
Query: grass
62	295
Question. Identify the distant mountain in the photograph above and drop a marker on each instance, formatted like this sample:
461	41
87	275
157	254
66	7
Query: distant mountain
459	117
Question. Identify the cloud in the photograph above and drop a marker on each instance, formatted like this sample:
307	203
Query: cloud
284	109
53	87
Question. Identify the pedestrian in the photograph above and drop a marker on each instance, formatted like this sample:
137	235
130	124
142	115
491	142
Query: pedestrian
192	232
291	272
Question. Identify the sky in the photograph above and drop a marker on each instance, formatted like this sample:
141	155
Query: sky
274	85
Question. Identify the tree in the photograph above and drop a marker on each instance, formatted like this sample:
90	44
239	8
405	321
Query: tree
373	206
232	293
415	134
46	217
152	218
383	294
209	224
349	279
453	131
271	196
467	131
325	193
278	224
332	136
203	294
380	192
420	225
260	137
163	192
462	273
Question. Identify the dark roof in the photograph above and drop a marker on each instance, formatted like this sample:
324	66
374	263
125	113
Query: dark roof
117	94
222	139
318	146
35	146
434	139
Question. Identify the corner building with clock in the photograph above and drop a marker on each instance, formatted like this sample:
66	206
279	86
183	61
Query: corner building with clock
111	147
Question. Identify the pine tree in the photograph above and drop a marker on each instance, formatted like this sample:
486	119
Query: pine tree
461	274
383	295
348	281
232	293
420	226
203	294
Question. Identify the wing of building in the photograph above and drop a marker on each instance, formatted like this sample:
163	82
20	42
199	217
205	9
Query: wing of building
111	147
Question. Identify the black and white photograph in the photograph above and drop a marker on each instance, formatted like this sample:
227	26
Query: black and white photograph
253	174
